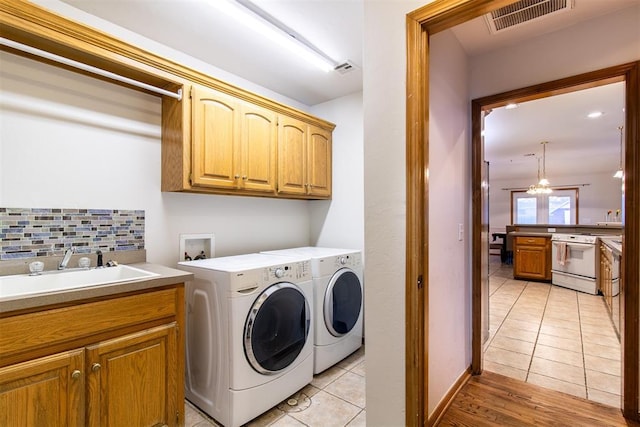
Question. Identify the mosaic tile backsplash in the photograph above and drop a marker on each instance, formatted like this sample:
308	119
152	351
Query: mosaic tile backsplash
31	232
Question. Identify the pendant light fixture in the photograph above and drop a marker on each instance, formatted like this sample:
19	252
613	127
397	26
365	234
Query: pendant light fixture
542	185
620	173
533	188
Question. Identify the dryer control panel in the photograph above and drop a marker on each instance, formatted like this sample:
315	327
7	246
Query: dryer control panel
292	272
352	260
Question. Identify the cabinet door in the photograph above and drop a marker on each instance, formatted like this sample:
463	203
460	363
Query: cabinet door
215	130
257	169
531	262
44	392
292	141
133	380
319	162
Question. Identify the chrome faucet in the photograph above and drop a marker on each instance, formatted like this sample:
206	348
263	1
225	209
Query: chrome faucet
66	258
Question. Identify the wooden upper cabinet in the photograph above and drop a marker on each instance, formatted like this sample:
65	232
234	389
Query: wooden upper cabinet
319	162
215	132
216	142
304	159
292	152
259	139
234	143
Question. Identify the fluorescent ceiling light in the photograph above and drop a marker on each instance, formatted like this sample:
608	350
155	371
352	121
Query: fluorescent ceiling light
247	14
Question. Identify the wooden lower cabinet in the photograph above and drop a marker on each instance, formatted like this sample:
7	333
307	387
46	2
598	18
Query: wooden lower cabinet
117	372
605	277
532	258
44	392
132	380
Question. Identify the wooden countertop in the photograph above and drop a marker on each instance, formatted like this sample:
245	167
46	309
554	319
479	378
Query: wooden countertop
166	276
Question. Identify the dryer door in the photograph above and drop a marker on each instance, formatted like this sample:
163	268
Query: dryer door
342	302
277	328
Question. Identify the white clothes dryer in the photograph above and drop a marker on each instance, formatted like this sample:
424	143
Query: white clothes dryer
249	333
338	294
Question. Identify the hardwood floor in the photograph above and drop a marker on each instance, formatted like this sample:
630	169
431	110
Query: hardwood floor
494	400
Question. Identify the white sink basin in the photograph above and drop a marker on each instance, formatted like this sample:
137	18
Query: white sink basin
55	281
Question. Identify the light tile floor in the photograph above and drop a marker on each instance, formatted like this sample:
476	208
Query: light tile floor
553	337
336	397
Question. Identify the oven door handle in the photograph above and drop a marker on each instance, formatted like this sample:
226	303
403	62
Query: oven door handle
577	245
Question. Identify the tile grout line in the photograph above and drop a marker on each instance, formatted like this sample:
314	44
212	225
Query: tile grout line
505	316
584	362
535	344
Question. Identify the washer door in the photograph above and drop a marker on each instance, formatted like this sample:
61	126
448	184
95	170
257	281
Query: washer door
342	302
277	328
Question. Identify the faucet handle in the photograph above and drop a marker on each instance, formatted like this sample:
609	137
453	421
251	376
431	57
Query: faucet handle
99	261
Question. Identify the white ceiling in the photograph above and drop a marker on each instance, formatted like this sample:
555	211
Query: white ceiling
577	145
198	29
336	27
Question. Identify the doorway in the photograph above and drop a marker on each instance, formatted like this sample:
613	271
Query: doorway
422	23
543	334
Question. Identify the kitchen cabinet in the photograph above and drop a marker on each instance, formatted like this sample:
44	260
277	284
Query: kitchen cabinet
42	392
532	258
304	156
234	143
105	362
223	142
605	278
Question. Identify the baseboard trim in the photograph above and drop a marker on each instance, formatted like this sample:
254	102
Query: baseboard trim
437	414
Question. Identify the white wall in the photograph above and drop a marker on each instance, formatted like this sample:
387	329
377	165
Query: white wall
67	140
594	45
603	193
338	222
449	208
73	141
135	39
610	40
384	90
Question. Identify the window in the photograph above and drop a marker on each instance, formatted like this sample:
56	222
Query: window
559	207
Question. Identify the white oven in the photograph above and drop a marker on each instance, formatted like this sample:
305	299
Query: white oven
573	262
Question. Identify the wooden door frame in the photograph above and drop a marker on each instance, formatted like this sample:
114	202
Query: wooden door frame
421	24
629	302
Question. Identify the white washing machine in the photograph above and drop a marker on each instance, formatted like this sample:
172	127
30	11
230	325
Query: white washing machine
338	295
249	333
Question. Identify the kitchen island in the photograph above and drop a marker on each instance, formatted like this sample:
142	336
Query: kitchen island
531	246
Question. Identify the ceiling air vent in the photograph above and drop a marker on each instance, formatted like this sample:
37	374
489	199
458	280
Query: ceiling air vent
524	11
345	67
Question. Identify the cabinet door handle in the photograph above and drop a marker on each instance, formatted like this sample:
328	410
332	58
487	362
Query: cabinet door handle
244	177
236	176
76	374
96	367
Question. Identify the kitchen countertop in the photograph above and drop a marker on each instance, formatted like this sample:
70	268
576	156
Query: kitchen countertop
612	243
166	276
530	234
